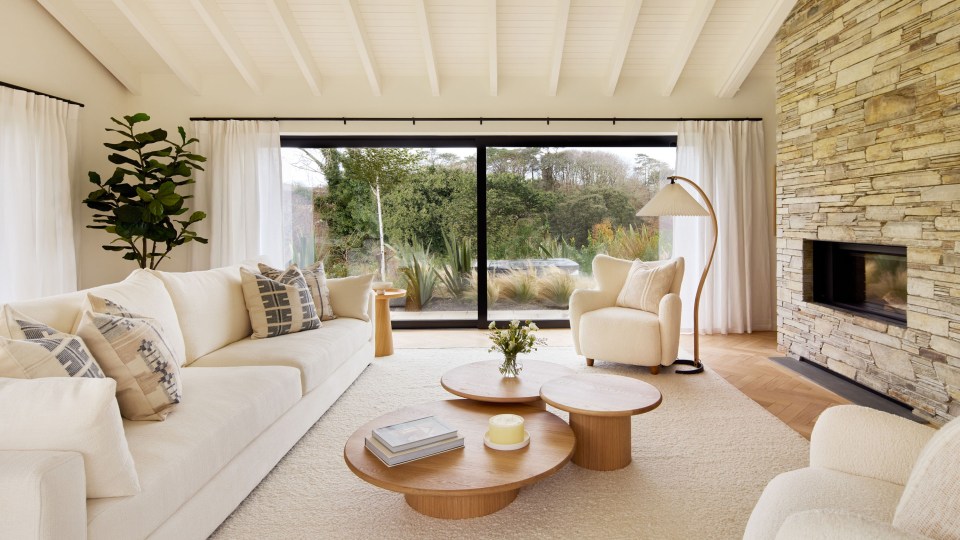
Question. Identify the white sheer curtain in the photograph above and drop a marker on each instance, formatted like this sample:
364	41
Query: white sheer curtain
240	190
726	159
38	153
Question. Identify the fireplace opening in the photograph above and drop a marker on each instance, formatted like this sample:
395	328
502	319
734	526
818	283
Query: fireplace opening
868	279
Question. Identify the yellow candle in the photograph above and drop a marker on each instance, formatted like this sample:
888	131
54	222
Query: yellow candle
506	429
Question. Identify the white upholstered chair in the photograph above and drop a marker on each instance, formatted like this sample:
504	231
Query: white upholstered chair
604	331
872	475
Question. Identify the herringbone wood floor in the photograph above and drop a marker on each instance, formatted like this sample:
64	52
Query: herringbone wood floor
742	359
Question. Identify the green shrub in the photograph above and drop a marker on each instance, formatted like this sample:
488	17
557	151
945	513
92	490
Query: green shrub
555	288
521	286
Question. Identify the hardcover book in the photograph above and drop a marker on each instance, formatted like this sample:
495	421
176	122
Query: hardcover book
413	434
391	459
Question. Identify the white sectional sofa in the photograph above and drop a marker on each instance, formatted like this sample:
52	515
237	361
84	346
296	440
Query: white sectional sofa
245	404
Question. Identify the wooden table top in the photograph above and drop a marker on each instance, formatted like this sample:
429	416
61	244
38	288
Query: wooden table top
391	293
475	469
596	394
482	381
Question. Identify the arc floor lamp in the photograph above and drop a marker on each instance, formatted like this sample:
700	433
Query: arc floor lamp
673	200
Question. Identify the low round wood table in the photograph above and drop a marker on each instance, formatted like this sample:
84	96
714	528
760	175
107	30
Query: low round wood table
383	329
600	408
482	381
475	480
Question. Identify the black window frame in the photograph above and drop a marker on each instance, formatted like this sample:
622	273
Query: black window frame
481	143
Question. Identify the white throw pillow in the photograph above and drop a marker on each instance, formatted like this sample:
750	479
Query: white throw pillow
71	415
646	285
350	296
134	351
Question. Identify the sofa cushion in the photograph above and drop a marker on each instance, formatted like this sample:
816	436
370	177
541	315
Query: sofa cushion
619	334
210	307
32	350
223	410
134	351
814	488
316	353
278	306
73	415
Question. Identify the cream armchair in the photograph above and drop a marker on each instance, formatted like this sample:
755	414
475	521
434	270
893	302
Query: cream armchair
872	475
604	331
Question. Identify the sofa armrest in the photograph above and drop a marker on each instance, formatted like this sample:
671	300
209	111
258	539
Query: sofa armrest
669	314
582	301
43	495
866	442
826	524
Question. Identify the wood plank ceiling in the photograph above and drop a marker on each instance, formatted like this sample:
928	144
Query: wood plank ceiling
541	43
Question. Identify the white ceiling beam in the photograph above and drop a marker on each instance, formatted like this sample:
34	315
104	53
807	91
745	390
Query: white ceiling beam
83	30
140	19
218	25
688	38
352	12
619	52
287	25
430	59
492	44
760	33
559	41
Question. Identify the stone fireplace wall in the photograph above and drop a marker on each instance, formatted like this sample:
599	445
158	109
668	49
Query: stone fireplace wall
869	151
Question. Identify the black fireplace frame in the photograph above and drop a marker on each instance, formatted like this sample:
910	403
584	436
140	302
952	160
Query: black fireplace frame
827	261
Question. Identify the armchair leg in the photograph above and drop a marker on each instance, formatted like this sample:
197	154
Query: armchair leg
589	361
654	370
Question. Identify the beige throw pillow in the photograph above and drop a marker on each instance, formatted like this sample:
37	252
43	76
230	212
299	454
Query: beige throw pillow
278	306
35	350
646	284
71	415
316	278
350	296
134	351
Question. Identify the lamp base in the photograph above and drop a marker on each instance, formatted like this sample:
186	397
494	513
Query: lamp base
697	366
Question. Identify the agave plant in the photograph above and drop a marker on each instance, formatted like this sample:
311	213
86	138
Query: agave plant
456	275
418	274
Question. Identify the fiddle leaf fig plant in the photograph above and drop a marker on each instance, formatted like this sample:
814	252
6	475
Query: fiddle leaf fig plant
139	203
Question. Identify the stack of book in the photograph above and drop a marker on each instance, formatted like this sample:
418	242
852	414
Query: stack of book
409	441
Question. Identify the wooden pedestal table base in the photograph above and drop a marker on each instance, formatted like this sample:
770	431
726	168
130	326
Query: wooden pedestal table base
473	481
382	326
600	408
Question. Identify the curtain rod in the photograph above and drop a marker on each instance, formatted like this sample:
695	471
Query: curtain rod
15	87
479	119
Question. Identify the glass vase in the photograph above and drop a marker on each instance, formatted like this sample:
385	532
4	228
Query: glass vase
511	367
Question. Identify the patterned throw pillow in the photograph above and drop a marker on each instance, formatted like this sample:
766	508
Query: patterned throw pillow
35	350
133	351
316	278
646	285
278	306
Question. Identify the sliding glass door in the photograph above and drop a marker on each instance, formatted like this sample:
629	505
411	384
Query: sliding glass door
474	229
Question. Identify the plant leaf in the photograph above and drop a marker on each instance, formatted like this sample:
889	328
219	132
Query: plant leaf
137	118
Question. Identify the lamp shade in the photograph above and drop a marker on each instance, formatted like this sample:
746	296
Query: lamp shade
673	200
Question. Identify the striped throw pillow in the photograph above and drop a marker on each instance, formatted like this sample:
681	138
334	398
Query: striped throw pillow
278	306
646	285
133	350
316	278
34	350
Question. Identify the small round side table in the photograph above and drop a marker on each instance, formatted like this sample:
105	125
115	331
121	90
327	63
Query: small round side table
383	329
482	381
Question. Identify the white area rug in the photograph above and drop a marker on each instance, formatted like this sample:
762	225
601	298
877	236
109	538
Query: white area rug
700	461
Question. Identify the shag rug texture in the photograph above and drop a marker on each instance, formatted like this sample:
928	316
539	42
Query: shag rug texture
700	462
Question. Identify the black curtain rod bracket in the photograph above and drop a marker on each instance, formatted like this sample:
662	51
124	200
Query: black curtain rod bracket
15	87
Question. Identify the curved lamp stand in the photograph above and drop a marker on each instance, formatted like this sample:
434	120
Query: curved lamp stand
673	200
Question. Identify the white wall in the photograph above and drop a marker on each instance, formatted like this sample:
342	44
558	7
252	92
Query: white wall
37	53
53	62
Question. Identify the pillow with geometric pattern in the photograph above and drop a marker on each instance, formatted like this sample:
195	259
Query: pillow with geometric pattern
316	278
132	350
35	350
278	306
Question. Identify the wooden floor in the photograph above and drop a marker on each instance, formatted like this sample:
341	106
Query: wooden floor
742	359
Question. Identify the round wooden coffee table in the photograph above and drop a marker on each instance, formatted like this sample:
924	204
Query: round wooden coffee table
600	408
475	480
482	381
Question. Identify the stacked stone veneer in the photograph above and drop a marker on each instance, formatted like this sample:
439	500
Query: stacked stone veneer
869	151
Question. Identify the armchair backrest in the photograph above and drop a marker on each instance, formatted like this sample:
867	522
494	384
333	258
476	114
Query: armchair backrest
611	272
930	504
